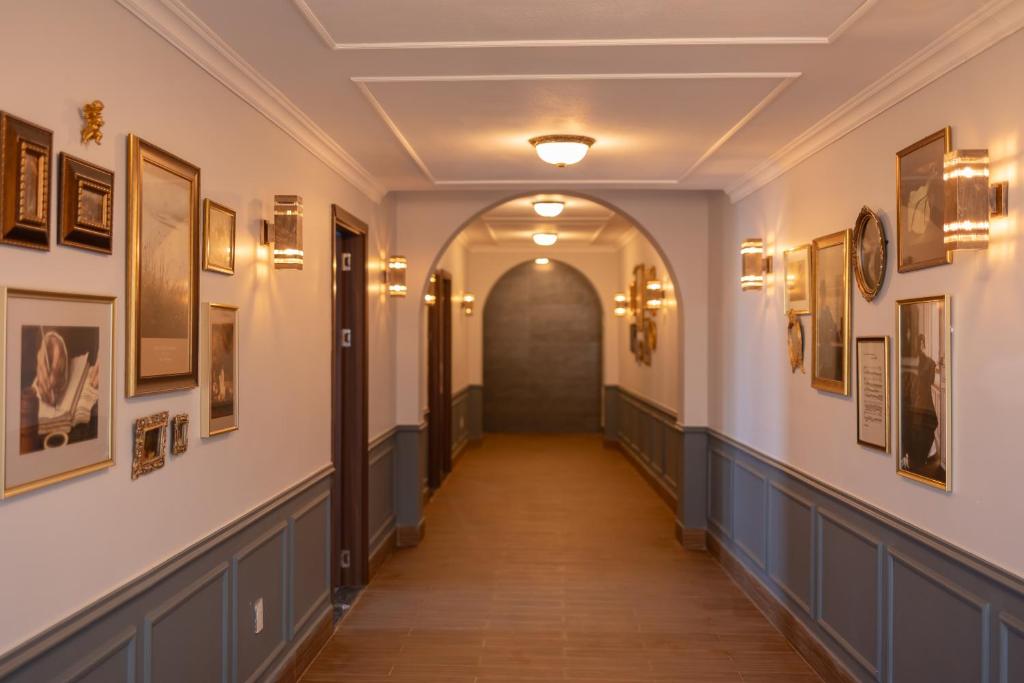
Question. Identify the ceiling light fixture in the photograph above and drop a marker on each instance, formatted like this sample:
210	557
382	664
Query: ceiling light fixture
545	239
549	209
562	150
542	261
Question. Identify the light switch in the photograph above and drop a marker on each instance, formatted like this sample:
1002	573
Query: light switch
257	610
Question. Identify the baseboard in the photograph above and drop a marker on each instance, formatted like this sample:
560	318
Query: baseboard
691	539
655	482
306	649
809	647
410	536
383	551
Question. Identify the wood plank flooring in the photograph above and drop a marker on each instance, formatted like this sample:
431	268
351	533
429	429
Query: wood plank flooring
548	558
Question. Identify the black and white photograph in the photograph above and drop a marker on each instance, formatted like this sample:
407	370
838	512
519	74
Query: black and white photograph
797	266
921	204
924	390
219	386
830	343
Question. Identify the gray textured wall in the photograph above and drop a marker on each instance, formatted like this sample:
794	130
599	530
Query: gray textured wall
542	352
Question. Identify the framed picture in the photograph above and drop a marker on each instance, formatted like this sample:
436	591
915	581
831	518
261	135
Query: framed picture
873	408
179	434
923	392
218	238
163	271
150	444
57	375
920	203
86	205
219	386
795	342
830	305
870	253
26	161
797	265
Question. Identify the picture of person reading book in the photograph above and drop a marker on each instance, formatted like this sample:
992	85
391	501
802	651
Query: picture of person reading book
60	384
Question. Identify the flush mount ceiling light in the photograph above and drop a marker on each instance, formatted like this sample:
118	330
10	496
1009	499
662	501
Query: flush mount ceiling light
542	261
562	150
549	209
545	239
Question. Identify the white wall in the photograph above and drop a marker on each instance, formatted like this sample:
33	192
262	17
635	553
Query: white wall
66	545
455	263
756	400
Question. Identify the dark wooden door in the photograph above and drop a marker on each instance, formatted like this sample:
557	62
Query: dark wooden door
439	374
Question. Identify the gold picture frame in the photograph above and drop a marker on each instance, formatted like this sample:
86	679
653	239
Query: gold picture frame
220	375
162	272
870	253
795	341
830	299
218	247
874	376
85	205
150	444
924	345
920	203
179	434
26	173
57	353
795	276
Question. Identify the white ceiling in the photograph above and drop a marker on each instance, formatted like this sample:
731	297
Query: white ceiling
679	93
582	224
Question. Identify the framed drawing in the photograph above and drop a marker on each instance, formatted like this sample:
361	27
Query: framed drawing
218	238
219	386
920	203
873	409
86	205
830	306
57	375
923	392
870	253
150	444
26	161
797	266
163	271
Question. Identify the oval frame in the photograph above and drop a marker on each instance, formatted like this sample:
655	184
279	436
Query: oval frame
864	218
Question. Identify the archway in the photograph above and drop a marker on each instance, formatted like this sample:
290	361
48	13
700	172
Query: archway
542	342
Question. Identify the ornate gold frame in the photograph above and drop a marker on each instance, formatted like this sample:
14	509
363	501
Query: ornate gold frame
947	400
888	391
831	386
77	175
205	364
179	434
863	218
209	206
141	463
785	274
946	135
19	139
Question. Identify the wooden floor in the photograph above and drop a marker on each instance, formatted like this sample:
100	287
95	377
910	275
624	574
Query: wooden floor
550	559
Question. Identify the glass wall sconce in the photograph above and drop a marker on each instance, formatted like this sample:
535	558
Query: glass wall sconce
755	264
430	298
467	304
620	309
654	295
397	265
285	233
971	200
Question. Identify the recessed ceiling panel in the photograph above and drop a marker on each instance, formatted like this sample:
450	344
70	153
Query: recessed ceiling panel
361	22
583	224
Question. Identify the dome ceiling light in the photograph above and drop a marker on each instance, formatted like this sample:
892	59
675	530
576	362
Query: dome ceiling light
549	209
562	150
545	239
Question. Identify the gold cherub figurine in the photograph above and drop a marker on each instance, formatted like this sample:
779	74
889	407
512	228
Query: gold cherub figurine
92	113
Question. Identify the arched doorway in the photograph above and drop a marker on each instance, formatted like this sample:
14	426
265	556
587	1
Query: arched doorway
542	341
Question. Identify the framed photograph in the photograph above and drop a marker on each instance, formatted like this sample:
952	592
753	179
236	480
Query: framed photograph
873	408
219	386
86	205
179	434
797	265
218	238
26	161
830	306
57	375
870	253
163	271
923	392
920	203
150	444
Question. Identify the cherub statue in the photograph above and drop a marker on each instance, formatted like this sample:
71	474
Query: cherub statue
92	113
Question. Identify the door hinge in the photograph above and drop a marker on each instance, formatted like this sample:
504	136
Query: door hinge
345	559
346	262
346	338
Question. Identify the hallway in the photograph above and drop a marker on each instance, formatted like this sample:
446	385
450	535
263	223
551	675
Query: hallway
550	558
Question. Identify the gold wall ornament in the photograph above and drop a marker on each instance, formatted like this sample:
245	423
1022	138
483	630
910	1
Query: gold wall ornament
795	342
150	444
643	331
92	115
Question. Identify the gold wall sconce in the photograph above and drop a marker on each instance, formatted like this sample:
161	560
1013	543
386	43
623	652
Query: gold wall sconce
654	296
285	233
620	309
467	304
395	276
755	264
971	199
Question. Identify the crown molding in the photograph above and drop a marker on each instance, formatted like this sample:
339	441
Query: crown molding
325	35
176	24
972	36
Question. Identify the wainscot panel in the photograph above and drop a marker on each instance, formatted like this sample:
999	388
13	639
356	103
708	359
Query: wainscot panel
650	437
383	494
467	418
193	617
863	595
411	442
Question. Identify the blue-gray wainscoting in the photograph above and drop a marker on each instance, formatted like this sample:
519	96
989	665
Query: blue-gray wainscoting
191	618
467	418
382	521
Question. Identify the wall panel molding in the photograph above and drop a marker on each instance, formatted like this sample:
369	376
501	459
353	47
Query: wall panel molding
124	644
777	566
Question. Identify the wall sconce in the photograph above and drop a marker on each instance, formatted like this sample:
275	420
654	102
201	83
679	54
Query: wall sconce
654	295
430	298
285	233
971	200
397	265
755	264
467	304
620	309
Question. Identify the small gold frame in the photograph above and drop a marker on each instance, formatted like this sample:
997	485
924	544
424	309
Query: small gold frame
76	229
864	219
841	387
150	444
206	362
20	140
786	256
795	341
179	434
209	207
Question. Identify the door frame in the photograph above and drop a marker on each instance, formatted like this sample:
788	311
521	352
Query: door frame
439	380
349	408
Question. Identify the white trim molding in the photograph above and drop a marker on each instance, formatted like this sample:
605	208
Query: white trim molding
981	30
185	31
